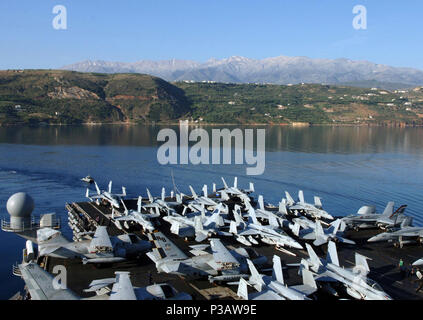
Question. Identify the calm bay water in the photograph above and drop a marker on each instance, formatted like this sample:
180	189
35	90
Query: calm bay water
347	166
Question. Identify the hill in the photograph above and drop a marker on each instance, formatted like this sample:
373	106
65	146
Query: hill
67	97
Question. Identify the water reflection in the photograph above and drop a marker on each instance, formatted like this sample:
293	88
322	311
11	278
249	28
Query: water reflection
278	138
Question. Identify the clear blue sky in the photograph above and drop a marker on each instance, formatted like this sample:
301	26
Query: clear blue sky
131	30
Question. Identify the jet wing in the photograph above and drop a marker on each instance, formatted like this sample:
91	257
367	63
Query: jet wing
99	284
250	232
122	289
100	240
221	256
328	277
40	284
49	240
306	289
169	249
265	295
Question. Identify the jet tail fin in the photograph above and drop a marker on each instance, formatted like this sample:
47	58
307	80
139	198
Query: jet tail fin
308	279
408	221
252	218
289	198
236	182
282	207
389	210
139	204
251	187
332	255
97	188
313	256
301	196
361	264
150	197
318	202
224	196
232	228
255	275
205	193
242	289
110	187
163	194
194	194
277	269
224	183
261	202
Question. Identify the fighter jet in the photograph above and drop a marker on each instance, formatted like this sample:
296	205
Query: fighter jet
314	210
202	200
100	249
234	191
271	234
367	217
404	235
106	196
120	288
42	286
161	204
221	265
354	280
263	213
320	235
199	226
267	286
144	220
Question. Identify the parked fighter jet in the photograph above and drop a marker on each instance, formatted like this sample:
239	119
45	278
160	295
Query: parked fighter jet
202	200
314	210
120	288
221	265
106	196
354	280
234	191
267	286
41	285
199	226
100	249
263	213
367	217
135	217
161	204
404	235
271	234
320	235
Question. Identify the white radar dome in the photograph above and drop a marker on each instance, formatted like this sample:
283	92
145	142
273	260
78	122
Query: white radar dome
20	205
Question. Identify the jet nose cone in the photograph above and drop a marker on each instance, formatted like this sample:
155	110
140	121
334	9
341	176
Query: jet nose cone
296	245
418	262
373	239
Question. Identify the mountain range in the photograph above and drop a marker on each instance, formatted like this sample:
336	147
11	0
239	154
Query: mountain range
277	70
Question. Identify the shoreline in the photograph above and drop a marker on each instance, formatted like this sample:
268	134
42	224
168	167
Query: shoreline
302	125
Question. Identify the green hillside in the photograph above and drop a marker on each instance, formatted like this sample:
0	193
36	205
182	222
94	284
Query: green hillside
33	96
65	97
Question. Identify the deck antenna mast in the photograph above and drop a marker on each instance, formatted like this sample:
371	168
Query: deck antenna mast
175	188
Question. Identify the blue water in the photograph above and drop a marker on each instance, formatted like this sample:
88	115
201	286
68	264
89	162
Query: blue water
348	167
